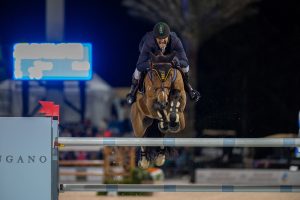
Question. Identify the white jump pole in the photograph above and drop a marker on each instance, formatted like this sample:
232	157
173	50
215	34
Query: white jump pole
173	188
180	142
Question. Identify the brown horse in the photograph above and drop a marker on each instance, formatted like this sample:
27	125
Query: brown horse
164	99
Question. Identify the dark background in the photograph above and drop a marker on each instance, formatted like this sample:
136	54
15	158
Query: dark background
248	72
250	77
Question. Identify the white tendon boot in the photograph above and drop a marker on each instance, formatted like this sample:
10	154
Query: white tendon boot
161	158
144	163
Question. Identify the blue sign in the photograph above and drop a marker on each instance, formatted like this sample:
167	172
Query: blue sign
52	61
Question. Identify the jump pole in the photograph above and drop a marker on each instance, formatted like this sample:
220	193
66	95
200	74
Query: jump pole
173	188
180	142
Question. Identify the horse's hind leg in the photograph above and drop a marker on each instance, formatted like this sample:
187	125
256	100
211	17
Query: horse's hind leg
161	157
143	163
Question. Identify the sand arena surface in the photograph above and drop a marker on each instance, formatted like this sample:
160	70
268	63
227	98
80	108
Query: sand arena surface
184	196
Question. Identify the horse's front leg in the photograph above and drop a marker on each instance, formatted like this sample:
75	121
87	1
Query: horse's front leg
174	122
162	115
161	157
143	162
163	120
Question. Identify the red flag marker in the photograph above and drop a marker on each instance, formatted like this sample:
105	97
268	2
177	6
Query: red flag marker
49	109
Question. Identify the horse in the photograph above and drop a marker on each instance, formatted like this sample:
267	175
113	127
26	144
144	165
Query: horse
163	100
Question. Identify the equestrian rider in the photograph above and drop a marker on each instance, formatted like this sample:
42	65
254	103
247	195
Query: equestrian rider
160	39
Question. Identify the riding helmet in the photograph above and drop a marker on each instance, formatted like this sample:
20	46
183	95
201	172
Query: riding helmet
161	30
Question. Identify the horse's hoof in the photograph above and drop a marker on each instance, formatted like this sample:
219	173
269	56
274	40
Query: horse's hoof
163	127
174	127
144	164
160	160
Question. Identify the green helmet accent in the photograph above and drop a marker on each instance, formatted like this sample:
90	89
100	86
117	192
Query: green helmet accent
161	30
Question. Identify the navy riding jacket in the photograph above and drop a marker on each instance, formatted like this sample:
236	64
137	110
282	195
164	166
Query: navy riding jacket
148	44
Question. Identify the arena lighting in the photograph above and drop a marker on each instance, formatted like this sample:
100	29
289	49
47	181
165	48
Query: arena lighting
52	61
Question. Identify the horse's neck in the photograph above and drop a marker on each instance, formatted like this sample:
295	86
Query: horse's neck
147	85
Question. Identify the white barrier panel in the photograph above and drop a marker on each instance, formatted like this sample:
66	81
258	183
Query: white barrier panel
183	142
26	158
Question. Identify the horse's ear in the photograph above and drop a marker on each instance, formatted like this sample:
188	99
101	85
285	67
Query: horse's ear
171	56
153	57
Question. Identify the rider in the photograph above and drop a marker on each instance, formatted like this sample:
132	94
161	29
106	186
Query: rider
160	39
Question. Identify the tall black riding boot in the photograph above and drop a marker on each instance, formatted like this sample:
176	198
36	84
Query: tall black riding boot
130	97
194	94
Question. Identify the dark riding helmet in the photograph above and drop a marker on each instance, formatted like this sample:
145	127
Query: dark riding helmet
161	30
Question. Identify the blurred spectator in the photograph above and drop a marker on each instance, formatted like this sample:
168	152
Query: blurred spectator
65	133
118	126
107	133
81	155
115	126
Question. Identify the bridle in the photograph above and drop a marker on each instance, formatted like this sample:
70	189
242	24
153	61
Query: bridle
163	78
